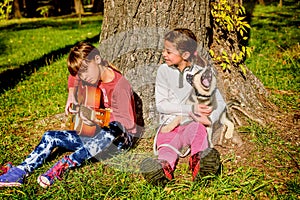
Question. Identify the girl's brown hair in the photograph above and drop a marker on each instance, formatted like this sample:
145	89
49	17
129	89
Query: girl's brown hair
184	40
82	51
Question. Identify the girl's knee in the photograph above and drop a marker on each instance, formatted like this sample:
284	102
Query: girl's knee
49	134
197	126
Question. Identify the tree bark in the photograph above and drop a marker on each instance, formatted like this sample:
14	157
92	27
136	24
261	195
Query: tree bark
16	9
132	39
78	7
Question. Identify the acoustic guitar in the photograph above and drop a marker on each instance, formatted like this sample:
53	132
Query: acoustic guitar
88	106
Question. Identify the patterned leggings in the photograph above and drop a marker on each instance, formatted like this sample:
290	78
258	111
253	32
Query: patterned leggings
84	147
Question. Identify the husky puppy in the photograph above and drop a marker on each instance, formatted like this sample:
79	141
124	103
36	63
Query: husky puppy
205	85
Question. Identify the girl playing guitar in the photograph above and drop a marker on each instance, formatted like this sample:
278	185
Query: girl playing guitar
87	68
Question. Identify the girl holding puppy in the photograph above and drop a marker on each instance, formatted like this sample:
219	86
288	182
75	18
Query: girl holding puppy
173	88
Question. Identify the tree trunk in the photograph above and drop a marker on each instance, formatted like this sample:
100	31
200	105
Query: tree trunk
261	2
16	9
78	7
132	38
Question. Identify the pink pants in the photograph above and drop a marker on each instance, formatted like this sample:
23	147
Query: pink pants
193	135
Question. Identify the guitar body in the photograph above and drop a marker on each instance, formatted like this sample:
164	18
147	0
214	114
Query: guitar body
88	105
81	128
88	96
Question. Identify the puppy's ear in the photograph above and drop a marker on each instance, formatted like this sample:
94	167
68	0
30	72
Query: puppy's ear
186	55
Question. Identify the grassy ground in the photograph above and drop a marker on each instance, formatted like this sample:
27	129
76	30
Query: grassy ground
275	36
33	79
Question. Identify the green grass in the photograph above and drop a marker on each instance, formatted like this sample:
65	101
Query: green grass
35	50
275	36
23	41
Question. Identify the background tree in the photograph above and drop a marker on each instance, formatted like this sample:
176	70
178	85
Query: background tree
131	38
78	7
5	9
16	9
262	2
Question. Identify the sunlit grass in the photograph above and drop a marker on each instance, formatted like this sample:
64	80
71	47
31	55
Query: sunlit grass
275	36
19	39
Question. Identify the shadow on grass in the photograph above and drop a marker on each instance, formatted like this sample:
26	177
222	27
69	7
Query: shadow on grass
52	22
11	77
274	20
281	17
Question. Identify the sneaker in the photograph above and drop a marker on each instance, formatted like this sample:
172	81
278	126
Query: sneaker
123	140
116	129
205	163
123	143
55	172
13	177
4	169
156	171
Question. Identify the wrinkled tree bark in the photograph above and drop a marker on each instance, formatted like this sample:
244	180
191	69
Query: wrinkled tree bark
131	38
